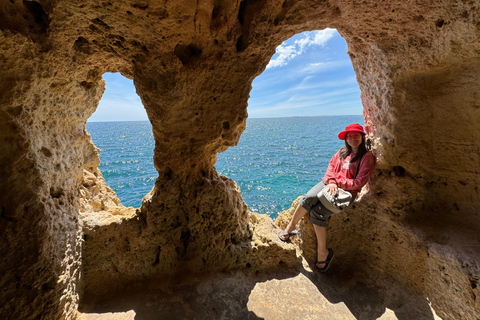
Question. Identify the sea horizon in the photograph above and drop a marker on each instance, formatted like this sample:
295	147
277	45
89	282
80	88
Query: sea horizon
339	115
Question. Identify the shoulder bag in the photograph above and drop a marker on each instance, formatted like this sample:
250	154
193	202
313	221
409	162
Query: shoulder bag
339	202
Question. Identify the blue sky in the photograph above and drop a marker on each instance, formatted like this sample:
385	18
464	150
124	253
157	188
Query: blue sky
310	74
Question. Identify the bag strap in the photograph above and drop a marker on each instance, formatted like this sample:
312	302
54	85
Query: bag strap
358	166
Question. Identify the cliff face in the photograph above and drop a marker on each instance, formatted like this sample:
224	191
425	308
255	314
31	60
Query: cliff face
192	63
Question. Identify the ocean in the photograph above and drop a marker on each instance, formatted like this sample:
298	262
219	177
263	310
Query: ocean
275	161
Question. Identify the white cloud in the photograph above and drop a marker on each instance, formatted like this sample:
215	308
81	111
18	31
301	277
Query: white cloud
321	37
307	85
299	101
285	53
324	66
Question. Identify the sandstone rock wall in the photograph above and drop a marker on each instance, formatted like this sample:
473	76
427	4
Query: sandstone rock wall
43	147
192	63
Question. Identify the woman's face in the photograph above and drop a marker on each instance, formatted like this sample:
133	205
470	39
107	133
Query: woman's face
354	139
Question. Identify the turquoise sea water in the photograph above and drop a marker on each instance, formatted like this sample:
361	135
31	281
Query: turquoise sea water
276	160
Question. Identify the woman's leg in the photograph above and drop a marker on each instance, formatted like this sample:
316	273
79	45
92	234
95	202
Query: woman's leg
305	204
297	215
322	251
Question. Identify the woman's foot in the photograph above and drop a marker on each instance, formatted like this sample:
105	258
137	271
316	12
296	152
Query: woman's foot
322	265
285	236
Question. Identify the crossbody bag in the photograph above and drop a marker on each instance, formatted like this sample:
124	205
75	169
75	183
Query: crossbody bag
342	200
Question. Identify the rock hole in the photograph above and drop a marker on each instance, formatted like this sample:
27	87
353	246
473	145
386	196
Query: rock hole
56	192
168	174
241	44
118	44
216	12
39	16
48	286
86	85
46	152
142	5
157	257
15	111
474	283
99	22
187	53
184	239
439	23
399	171
418	18
3	215
241	11
93	28
226	125
82	45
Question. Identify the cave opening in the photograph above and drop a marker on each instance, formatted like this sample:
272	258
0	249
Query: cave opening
307	93
121	130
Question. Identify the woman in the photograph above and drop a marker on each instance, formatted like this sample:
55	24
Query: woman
340	174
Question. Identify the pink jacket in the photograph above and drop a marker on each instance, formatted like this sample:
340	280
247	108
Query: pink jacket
341	172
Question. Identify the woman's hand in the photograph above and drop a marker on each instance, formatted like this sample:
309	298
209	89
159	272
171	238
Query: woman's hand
332	188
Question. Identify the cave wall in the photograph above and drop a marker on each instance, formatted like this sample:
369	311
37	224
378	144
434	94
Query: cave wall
192	64
43	147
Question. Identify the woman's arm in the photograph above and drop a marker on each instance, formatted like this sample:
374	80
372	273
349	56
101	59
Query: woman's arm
330	174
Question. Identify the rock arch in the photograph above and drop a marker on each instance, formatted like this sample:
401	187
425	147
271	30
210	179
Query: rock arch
192	64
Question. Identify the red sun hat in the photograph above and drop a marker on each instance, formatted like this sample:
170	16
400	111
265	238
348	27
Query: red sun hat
354	127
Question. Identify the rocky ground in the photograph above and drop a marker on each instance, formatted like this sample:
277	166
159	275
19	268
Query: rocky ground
341	293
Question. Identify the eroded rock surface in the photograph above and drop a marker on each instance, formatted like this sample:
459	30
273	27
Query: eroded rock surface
192	63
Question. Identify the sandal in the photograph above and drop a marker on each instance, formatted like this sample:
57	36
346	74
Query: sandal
326	262
285	236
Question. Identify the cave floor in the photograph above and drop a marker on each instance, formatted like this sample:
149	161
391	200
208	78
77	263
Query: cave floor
300	294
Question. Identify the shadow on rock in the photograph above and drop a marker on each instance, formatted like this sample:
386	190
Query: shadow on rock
370	296
209	296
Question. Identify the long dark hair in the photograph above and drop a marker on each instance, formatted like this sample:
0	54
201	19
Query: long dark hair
345	151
